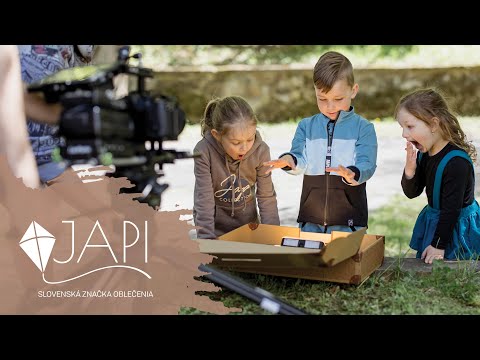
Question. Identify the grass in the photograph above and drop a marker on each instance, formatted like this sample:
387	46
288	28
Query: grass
444	291
391	292
396	221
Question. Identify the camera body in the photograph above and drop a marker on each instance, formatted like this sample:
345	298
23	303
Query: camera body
127	132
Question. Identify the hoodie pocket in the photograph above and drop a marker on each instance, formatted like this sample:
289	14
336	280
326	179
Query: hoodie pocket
225	222
338	205
314	204
338	198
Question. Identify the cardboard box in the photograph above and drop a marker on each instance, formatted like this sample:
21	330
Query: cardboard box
346	257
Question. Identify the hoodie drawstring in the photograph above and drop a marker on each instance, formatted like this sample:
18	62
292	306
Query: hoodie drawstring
241	187
232	177
233	185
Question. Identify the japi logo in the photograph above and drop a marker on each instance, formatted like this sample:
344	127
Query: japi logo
38	244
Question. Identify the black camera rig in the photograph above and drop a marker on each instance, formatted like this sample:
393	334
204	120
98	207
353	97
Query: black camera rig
128	132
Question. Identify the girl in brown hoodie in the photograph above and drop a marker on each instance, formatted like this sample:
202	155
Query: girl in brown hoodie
231	156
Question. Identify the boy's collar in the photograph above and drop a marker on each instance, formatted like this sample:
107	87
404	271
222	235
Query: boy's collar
344	114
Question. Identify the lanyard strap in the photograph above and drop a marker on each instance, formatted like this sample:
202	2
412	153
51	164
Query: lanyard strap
328	158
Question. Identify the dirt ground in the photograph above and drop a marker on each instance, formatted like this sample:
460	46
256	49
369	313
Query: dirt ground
384	184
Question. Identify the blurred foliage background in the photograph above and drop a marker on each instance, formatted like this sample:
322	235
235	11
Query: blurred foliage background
362	56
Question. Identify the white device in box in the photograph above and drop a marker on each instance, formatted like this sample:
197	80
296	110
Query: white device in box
302	243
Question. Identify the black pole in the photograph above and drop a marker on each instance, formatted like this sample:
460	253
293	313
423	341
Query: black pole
263	298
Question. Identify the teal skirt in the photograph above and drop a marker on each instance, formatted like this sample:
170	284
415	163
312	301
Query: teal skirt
466	235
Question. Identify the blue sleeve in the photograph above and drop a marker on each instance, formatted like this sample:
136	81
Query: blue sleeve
298	149
366	152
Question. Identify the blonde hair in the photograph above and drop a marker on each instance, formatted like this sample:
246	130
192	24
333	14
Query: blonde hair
221	113
426	104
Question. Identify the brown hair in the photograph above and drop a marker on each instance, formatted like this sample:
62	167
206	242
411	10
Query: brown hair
331	67
425	104
221	113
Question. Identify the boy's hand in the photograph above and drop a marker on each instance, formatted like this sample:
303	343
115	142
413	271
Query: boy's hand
411	161
344	172
431	253
285	160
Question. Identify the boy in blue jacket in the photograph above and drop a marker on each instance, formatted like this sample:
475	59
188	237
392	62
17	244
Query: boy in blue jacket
335	149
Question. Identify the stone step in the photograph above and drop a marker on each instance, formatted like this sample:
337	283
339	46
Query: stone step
419	266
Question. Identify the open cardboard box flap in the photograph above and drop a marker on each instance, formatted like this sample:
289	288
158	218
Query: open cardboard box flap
254	243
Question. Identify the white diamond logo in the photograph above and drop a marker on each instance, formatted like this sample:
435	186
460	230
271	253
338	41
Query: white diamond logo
38	245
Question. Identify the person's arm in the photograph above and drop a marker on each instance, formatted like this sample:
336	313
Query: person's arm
295	161
298	150
203	197
14	140
413	181
366	153
454	182
266	196
38	110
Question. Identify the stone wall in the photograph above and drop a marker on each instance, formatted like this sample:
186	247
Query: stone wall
278	93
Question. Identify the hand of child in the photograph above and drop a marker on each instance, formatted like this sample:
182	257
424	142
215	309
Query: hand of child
285	160
411	161
344	172
431	253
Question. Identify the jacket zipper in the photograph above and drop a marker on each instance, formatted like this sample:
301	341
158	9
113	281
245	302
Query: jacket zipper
328	163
